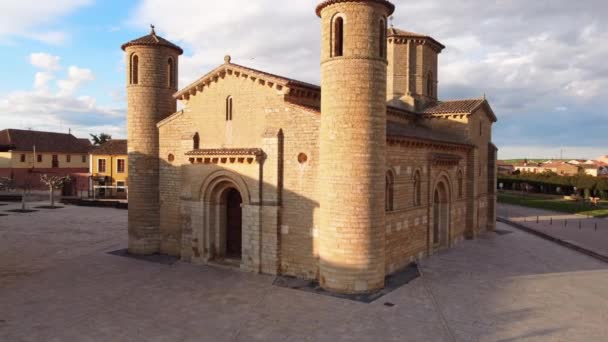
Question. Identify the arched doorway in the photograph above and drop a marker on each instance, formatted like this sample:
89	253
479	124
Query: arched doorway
234	224
441	220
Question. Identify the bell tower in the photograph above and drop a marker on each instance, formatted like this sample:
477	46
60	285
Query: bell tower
353	144
152	65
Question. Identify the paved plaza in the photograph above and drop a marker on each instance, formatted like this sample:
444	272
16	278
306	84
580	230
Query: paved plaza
586	232
58	283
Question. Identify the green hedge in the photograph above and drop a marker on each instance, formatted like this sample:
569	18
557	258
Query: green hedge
550	183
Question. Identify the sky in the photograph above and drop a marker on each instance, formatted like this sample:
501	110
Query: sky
541	64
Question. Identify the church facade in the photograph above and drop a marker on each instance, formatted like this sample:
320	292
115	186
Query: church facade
344	183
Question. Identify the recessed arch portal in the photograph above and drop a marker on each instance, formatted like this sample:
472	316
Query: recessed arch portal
441	215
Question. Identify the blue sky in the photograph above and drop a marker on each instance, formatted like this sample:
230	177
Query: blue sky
541	64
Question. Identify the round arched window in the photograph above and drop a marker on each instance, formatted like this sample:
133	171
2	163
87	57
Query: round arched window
302	158
170	157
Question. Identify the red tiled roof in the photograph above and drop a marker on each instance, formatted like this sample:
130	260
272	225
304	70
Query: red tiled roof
152	40
112	147
453	107
395	32
25	140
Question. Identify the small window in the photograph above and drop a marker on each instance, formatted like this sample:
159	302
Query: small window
101	165
23	158
229	108
389	192
68	158
120	166
480	128
382	42
55	162
120	186
460	185
170	157
302	158
84	159
429	85
134	69
417	189
196	142
39	158
170	73
338	37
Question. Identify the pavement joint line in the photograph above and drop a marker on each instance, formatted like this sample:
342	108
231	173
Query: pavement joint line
558	241
437	307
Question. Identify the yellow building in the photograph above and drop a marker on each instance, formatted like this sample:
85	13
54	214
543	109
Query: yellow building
109	171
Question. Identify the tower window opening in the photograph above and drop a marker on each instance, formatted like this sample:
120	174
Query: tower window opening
382	42
460	185
134	69
338	37
196	141
389	192
170	73
417	189
229	108
429	85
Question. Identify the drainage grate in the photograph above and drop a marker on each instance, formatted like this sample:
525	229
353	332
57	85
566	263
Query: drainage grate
502	232
21	211
48	207
389	304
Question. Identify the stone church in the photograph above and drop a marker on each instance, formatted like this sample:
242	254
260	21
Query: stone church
344	183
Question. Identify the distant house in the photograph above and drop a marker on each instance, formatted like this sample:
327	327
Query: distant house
25	155
108	169
556	166
505	168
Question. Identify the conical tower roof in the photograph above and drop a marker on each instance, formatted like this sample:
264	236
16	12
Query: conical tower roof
152	39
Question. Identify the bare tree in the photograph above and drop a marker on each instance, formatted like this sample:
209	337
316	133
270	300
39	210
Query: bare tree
54	183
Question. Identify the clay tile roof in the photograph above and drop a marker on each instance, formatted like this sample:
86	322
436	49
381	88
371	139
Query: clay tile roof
395	32
322	5
398	130
453	107
112	147
226	152
152	39
25	140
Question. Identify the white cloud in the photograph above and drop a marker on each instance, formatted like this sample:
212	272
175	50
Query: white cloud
530	58
47	108
44	61
76	77
31	19
42	79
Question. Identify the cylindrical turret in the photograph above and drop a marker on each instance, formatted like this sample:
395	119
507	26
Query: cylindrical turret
353	144
152	64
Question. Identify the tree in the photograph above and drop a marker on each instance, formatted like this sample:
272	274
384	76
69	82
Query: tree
101	138
54	183
6	183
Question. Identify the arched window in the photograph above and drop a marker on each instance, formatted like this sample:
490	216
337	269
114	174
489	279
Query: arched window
429	85
229	108
460	184
196	142
170	73
338	37
134	69
389	191
417	189
382	42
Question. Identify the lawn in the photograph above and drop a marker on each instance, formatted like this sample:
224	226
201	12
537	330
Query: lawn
553	203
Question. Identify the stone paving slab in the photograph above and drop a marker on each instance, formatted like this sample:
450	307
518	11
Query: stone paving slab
513	287
587	233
